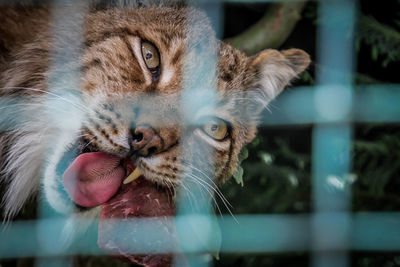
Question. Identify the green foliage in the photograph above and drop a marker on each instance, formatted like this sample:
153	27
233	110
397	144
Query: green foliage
383	40
307	78
277	179
376	163
311	12
365	79
238	175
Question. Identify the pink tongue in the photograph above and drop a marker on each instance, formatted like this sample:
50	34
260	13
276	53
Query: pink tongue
93	178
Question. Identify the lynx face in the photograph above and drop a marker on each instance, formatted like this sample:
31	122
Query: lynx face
155	91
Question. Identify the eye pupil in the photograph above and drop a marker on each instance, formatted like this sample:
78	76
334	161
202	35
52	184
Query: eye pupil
150	55
216	128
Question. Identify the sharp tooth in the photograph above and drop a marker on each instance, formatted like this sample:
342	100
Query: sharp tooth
133	176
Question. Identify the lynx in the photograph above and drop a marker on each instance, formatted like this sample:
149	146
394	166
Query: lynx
119	90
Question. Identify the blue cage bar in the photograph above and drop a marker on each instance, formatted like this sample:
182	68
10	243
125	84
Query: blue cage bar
331	230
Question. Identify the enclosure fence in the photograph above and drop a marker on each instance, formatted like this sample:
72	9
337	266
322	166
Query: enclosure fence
332	106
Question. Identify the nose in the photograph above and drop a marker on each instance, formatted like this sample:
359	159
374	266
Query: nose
145	141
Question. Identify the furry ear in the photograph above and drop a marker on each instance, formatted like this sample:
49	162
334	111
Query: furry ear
272	71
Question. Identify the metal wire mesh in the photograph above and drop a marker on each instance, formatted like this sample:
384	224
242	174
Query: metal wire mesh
333	105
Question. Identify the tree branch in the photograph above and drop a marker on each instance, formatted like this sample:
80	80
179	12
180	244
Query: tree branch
271	30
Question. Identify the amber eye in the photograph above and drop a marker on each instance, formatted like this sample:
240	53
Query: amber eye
216	128
150	55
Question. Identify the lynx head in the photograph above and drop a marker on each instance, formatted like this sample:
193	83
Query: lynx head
156	91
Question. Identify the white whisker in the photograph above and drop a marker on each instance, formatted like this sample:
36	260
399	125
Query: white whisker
223	198
208	191
81	107
212	188
190	195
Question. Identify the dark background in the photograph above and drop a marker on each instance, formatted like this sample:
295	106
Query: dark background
375	147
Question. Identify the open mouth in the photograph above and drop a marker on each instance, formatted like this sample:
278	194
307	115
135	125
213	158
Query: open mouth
115	184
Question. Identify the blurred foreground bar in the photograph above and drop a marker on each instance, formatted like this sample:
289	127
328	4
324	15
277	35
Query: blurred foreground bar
371	103
331	160
250	234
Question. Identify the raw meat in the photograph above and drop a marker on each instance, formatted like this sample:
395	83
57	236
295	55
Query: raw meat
139	205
